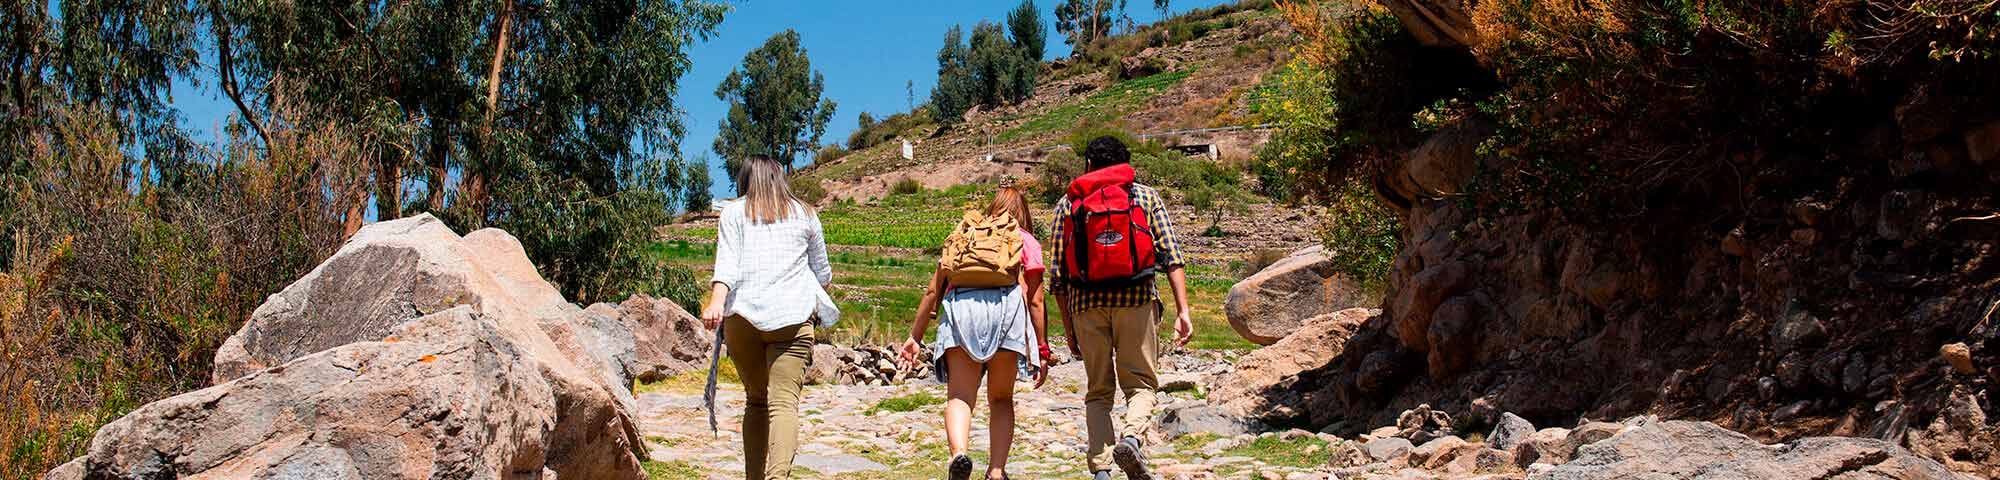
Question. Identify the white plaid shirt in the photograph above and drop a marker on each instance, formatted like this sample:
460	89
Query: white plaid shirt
774	270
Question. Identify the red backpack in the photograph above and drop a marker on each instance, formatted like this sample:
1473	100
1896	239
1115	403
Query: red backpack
1110	244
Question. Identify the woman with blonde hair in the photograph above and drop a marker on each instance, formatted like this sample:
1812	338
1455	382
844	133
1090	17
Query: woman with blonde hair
999	332
769	296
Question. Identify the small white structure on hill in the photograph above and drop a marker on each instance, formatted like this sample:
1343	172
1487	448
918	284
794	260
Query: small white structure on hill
909	151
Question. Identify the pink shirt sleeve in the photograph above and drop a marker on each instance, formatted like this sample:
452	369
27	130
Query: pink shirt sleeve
1031	254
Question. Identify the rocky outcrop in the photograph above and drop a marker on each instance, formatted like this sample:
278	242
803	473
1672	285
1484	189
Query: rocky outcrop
411	352
1679	449
1277	301
666	339
1260	384
1640	447
1781	304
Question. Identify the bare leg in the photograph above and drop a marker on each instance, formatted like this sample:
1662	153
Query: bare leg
1000	398
963	393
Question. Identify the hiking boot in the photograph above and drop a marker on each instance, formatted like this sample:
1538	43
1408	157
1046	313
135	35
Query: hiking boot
1130	459
1102	475
961	467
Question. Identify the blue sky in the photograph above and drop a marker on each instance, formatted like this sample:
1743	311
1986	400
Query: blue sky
867	50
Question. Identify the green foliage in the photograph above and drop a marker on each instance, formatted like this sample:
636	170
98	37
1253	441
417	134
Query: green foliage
906	124
1099	108
695	196
830	152
808	189
124	285
907	186
1084	21
1024	25
990	69
955	89
1361	236
775	107
670	470
906	403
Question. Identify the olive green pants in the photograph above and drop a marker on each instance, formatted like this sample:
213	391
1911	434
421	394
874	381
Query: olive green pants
773	367
1120	349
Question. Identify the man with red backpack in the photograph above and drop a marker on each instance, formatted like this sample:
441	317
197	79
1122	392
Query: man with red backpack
1112	236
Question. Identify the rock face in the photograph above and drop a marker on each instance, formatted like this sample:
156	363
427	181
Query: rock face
1260	384
412	352
1679	449
1277	301
1842	303
667	340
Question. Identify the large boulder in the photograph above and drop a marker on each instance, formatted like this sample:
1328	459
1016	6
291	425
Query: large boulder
1258	383
447	396
1683	449
1275	302
667	340
359	314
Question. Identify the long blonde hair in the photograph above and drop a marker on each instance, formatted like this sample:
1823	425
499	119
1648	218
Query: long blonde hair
767	195
1009	200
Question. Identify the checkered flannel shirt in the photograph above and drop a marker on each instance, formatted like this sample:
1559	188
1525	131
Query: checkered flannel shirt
1166	251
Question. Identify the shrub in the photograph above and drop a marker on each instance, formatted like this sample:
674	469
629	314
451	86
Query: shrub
129	274
829	152
808	189
1361	236
906	186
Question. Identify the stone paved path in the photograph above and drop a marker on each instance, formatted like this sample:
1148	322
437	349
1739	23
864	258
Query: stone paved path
843	440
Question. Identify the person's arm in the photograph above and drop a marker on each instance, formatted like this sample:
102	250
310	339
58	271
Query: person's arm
728	268
1167	249
1059	283
816	255
932	295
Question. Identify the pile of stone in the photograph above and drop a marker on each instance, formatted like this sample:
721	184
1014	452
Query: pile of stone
837	365
412	352
1638	447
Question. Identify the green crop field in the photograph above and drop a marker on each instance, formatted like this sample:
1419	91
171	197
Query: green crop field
883	255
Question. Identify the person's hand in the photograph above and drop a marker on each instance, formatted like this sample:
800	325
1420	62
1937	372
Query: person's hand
908	352
1183	329
1075	348
711	316
1048	362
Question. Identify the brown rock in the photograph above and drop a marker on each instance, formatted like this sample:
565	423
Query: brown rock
1443	164
1437	452
1959	357
1453	334
1681	449
1436	23
1543	446
377	289
667	339
451	397
1277	301
1254	386
1983	144
1415	303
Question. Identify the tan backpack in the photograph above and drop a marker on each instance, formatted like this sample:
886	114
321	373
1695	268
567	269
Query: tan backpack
984	252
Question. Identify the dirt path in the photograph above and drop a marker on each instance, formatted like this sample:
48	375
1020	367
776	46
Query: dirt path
843	439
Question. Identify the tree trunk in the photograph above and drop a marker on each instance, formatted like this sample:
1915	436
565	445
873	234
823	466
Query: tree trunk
226	69
435	157
475	181
388	188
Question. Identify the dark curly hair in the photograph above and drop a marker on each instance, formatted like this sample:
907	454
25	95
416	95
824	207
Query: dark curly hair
1106	151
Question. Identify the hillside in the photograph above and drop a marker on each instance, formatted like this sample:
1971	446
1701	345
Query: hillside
1206	69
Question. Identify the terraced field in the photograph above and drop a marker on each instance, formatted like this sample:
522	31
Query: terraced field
883	255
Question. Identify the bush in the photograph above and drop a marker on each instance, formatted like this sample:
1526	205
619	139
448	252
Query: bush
130	273
906	186
1361	236
808	189
829	152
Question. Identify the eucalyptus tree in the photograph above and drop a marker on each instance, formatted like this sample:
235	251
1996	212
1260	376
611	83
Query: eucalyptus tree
775	107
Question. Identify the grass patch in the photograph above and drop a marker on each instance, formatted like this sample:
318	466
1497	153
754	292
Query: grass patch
906	403
674	470
692	382
1308	451
1100	107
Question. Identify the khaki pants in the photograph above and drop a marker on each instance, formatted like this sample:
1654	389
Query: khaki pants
773	366
1120	347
